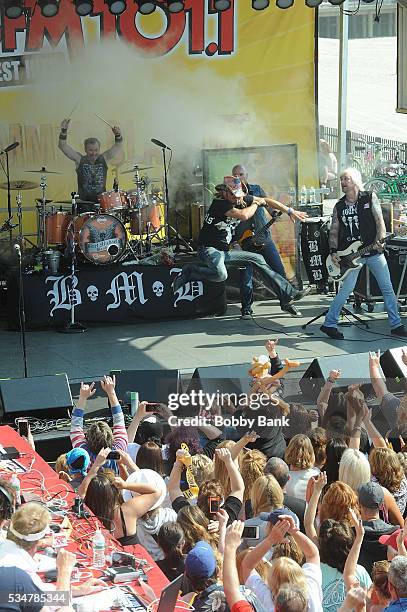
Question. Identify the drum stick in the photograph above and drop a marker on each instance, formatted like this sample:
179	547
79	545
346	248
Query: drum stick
104	121
74	109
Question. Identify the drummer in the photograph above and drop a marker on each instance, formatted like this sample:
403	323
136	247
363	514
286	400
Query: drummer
91	168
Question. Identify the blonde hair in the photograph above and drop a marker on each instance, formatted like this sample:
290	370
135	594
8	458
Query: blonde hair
299	453
354	469
266	495
62	468
385	465
355	176
252	467
202	468
286	570
288	548
219	468
29	519
337	502
403	461
195	527
262	568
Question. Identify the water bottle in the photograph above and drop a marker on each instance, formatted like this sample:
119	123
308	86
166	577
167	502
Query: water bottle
312	195
303	196
98	547
15	483
291	195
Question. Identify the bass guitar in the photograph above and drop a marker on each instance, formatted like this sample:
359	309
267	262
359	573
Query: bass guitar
254	240
349	259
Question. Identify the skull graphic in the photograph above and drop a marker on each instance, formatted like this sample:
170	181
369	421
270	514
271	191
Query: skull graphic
93	293
158	288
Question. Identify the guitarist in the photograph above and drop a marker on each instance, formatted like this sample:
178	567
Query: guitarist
268	251
358	216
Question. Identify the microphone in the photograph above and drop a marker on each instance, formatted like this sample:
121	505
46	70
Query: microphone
10	147
17	248
160	144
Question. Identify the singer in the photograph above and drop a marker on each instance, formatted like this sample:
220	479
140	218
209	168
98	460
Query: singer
91	168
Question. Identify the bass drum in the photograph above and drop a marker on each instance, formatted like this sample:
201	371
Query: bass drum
101	239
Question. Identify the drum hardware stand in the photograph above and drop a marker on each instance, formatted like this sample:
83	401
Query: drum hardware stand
72	326
42	226
7	173
21	306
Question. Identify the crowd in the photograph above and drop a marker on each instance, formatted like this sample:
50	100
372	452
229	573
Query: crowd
307	516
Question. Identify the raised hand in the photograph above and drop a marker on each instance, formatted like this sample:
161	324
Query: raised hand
374	358
404	356
101	457
65	124
108	384
223	454
116	130
234	534
87	390
271	347
334	375
297	215
251	437
119	482
357	524
279	531
319	482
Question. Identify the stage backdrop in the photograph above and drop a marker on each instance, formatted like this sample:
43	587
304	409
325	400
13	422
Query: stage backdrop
195	80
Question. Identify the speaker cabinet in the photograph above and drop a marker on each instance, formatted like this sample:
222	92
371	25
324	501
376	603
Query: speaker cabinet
354	369
45	397
394	369
151	385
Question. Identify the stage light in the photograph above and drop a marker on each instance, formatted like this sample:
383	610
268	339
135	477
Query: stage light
284	4
221	5
83	7
313	3
49	8
259	5
145	7
116	7
175	6
13	9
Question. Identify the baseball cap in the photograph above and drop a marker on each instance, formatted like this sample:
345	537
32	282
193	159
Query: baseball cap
200	562
371	495
391	539
274	516
78	460
150	477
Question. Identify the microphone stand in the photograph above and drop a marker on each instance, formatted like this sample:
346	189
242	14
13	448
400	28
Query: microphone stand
21	305
72	326
167	199
8	190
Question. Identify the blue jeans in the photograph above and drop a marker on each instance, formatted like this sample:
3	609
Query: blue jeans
377	264
217	261
271	256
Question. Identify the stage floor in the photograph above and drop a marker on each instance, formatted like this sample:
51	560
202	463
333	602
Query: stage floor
187	344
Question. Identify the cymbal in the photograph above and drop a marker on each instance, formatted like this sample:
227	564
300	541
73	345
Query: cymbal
139	168
20	185
40	201
44	171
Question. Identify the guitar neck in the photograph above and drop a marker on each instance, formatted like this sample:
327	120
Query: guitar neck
369	247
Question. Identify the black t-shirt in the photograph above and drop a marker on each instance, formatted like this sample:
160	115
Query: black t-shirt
232	506
271	441
91	178
17	583
218	229
171	570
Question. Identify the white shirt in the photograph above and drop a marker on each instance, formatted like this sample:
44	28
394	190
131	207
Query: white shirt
297	484
313	577
12	555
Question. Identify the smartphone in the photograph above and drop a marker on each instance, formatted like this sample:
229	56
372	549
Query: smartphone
251	531
113	455
134	401
214	505
152	407
22	425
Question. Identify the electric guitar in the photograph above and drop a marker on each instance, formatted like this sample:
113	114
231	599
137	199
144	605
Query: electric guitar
349	258
254	240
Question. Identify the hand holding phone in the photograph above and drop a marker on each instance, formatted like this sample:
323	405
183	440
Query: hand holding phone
251	531
113	455
214	505
152	407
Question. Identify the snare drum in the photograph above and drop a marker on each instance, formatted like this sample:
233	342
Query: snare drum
139	218
100	238
57	226
112	200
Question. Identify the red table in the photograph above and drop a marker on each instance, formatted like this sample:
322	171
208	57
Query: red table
41	479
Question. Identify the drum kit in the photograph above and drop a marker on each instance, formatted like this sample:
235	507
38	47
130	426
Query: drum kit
122	223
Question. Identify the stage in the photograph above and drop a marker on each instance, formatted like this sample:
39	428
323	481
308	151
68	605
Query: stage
187	344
